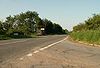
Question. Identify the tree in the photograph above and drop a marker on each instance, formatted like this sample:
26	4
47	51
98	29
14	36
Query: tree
57	29
1	29
93	23
48	26
79	27
29	19
23	22
27	23
65	31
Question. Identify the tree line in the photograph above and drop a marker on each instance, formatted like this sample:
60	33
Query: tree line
93	23
28	23
89	31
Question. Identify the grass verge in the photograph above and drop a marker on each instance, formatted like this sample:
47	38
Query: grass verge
90	36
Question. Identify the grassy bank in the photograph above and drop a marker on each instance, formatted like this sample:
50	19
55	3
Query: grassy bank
90	36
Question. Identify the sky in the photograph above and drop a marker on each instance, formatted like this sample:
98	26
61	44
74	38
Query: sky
67	13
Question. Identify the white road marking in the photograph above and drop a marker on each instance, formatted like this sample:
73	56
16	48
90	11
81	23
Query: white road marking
50	45
21	58
36	51
29	55
41	49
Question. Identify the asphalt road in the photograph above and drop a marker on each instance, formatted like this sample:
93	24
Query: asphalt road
10	49
65	54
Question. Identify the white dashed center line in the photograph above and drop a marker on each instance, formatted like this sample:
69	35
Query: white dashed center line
36	51
41	49
21	58
30	54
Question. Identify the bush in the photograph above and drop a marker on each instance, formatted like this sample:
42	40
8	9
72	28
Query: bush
4	37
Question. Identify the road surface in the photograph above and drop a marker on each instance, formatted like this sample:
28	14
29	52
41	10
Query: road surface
46	52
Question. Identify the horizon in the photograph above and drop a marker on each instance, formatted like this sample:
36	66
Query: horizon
66	13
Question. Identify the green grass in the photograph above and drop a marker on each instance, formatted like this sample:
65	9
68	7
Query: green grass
90	36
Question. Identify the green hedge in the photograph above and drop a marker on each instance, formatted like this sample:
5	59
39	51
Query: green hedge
4	37
91	36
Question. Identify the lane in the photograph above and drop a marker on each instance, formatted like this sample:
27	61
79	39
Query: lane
65	54
15	48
